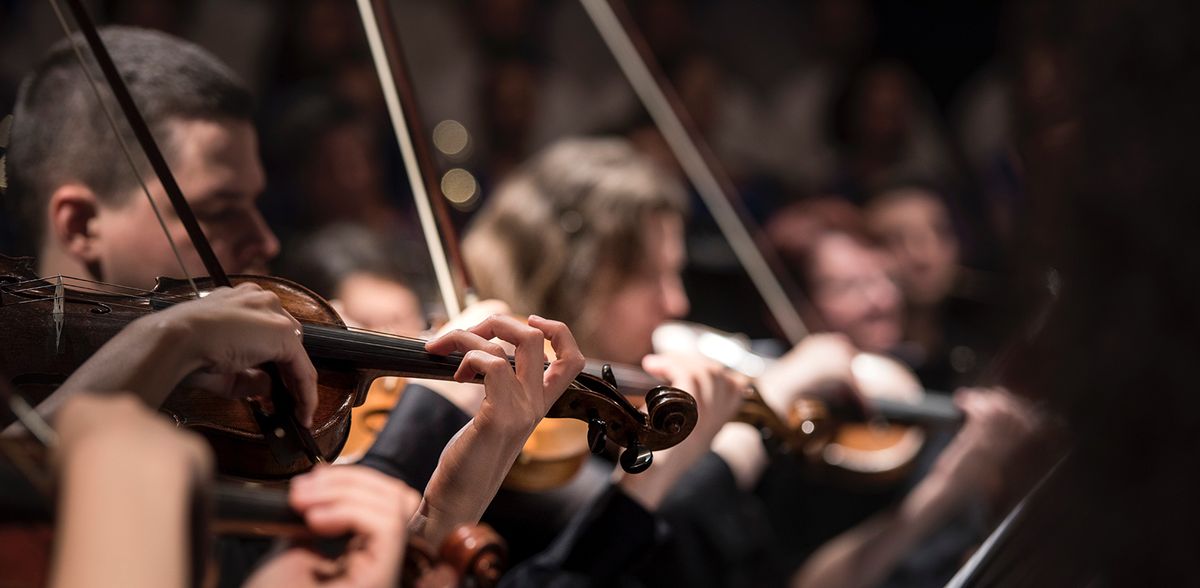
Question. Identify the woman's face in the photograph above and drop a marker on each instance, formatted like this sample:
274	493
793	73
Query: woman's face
644	300
854	294
916	228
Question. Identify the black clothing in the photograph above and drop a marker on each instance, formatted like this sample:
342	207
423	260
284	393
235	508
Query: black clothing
567	541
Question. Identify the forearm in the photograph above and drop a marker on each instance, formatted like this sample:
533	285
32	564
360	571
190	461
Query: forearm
741	447
148	358
410	445
471	470
865	555
123	523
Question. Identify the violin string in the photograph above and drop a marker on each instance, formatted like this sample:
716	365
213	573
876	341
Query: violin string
45	282
452	360
147	295
336	333
138	293
383	342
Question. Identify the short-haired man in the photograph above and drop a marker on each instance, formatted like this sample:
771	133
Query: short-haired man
79	202
85	217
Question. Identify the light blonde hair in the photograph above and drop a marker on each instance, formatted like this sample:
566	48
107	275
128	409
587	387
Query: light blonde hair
565	230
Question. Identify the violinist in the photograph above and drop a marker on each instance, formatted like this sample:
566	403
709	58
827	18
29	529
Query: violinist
84	215
592	231
86	218
949	326
616	244
915	534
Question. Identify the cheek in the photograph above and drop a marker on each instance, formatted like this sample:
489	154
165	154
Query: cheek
625	326
837	312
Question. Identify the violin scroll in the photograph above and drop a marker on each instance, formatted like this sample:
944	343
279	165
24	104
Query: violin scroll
670	417
473	555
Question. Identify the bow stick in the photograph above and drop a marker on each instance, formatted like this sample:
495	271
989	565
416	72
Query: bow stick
401	100
696	158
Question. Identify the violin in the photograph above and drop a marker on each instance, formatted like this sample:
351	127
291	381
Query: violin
368	419
875	445
53	328
471	555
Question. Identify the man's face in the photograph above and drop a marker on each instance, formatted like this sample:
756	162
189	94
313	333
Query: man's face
217	166
854	294
645	300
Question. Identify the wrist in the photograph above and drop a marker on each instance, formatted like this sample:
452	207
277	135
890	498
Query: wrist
647	489
505	432
773	392
740	446
173	340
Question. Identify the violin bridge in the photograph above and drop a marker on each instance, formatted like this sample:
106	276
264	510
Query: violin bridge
58	314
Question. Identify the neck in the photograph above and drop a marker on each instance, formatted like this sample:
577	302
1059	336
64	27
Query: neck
53	261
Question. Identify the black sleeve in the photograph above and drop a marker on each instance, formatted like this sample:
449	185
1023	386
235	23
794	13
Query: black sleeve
719	535
602	546
417	431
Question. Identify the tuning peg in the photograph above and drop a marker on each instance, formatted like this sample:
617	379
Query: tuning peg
636	459
607	374
597	438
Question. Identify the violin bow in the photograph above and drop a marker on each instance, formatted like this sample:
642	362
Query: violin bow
711	181
282	431
401	99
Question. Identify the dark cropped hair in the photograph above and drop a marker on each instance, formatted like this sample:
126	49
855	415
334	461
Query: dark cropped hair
60	133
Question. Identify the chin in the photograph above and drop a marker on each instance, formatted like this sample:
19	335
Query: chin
880	341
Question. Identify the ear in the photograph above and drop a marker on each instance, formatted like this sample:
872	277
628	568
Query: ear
71	213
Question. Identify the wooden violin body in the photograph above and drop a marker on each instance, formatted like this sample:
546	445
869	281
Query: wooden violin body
51	329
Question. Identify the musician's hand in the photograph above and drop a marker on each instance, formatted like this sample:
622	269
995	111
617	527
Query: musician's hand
126	482
514	401
372	507
997	424
214	342
467	397
819	363
122	428
718	393
476	461
229	332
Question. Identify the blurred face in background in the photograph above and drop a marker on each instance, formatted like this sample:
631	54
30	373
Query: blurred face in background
379	304
643	300
915	227
853	292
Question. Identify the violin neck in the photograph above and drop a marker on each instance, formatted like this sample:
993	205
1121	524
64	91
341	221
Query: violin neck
396	356
932	411
262	512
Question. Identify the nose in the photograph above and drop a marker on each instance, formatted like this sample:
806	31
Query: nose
261	245
674	298
883	295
